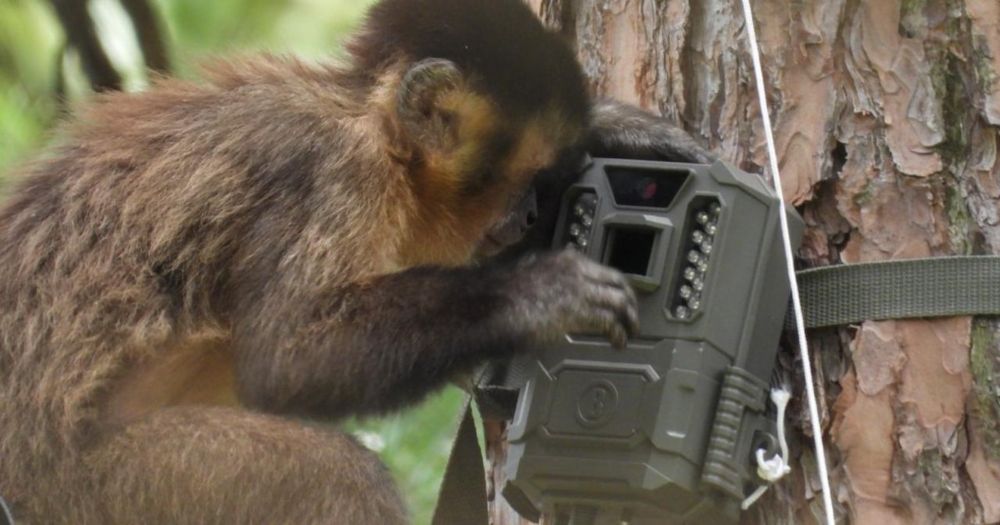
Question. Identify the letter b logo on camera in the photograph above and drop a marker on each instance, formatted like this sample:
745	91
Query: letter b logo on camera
597	404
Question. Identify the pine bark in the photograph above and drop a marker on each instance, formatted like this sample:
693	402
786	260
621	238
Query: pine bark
887	122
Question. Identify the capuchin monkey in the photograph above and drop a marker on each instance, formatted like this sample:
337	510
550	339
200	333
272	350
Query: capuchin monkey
193	273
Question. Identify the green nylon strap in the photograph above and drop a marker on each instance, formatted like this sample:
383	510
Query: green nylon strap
931	287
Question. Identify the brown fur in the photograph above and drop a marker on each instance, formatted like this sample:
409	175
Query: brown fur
236	241
198	373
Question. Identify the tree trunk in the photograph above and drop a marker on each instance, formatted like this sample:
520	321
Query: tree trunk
887	117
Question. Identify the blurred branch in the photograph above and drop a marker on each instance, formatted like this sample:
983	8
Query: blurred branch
149	34
59	87
80	34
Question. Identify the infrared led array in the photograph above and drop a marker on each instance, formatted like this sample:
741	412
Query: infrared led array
696	260
582	221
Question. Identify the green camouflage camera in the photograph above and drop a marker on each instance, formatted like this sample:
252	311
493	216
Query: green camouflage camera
665	430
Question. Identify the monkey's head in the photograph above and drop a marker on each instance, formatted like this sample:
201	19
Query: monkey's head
481	99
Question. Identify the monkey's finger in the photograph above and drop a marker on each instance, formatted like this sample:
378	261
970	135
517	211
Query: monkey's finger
603	275
606	320
633	304
628	319
617	336
623	302
592	272
598	272
631	319
606	278
611	297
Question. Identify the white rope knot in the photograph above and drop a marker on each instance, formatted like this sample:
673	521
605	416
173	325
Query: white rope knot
771	470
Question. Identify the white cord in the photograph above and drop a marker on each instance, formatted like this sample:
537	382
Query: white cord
786	238
773	469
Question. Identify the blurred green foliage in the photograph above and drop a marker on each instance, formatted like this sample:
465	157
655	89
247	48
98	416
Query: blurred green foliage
415	444
29	40
313	28
36	74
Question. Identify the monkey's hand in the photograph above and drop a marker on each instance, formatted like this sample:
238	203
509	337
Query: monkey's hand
558	293
622	130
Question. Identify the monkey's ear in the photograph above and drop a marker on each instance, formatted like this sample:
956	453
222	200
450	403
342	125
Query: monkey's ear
418	102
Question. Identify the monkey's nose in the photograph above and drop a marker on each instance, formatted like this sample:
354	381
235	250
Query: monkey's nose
530	218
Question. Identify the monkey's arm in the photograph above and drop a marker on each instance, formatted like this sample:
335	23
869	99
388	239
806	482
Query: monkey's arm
377	345
622	130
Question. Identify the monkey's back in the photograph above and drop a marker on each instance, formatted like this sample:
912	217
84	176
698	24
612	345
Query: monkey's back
78	304
125	240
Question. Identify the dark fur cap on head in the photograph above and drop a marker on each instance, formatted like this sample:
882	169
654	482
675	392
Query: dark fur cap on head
499	44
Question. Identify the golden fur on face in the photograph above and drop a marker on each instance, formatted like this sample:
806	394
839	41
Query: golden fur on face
454	220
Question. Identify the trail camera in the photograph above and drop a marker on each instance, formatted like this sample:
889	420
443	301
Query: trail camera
665	430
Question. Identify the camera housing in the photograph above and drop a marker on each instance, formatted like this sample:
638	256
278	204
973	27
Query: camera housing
666	429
